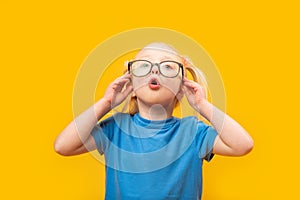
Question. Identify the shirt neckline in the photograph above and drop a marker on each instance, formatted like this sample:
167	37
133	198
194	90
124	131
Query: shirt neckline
149	123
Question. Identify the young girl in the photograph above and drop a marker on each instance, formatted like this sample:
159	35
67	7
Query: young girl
149	154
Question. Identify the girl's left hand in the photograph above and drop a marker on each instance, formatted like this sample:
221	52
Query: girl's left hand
194	93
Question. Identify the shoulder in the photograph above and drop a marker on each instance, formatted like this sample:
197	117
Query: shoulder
189	123
194	119
191	120
112	124
195	123
116	117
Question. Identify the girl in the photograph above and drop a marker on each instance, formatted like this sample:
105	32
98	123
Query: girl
149	153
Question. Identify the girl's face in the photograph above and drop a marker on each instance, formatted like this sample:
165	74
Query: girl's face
155	88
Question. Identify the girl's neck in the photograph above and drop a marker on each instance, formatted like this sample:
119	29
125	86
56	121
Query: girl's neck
156	111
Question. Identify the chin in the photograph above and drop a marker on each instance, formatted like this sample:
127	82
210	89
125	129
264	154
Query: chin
161	96
155	98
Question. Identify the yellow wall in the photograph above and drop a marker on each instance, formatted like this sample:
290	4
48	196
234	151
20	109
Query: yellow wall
255	45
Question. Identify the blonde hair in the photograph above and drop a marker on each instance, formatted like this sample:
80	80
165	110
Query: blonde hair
188	66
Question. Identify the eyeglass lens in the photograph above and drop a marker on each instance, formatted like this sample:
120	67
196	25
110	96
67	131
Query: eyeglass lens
166	68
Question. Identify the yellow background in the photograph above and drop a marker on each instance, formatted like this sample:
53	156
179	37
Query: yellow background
255	45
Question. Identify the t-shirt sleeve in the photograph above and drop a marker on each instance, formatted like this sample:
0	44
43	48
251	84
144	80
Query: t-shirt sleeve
98	135
205	140
101	132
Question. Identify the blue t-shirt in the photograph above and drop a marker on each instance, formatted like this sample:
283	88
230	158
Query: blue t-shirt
153	160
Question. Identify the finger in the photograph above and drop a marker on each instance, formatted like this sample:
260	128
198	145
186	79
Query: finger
185	79
121	82
188	82
187	91
189	86
123	77
126	76
192	84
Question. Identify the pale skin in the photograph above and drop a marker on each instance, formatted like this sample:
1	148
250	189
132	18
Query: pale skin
232	138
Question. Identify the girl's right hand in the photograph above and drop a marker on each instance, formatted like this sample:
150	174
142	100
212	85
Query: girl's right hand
115	94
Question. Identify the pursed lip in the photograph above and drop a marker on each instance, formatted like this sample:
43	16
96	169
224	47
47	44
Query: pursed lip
154	84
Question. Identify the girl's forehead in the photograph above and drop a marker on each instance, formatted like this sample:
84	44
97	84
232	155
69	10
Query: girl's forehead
158	55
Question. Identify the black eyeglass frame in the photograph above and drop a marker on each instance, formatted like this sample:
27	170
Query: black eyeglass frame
158	66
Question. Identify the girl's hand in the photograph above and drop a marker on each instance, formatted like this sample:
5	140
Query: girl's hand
194	93
115	94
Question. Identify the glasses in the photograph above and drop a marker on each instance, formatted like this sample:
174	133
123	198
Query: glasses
166	68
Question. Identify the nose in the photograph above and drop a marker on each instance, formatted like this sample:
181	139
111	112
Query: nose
155	69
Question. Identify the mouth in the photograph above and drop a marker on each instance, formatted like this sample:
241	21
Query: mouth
154	84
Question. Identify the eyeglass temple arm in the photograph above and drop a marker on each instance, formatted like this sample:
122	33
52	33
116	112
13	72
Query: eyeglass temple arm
128	67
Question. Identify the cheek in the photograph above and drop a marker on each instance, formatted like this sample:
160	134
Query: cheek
173	85
138	83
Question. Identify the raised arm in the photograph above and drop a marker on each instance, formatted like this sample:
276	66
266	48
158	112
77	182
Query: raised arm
232	138
76	138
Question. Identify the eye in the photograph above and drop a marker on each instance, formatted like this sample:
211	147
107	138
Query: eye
169	66
140	65
143	65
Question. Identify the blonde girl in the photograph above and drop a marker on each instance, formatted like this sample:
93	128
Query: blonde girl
149	153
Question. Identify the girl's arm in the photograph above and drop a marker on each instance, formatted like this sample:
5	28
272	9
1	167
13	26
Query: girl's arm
76	138
232	138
